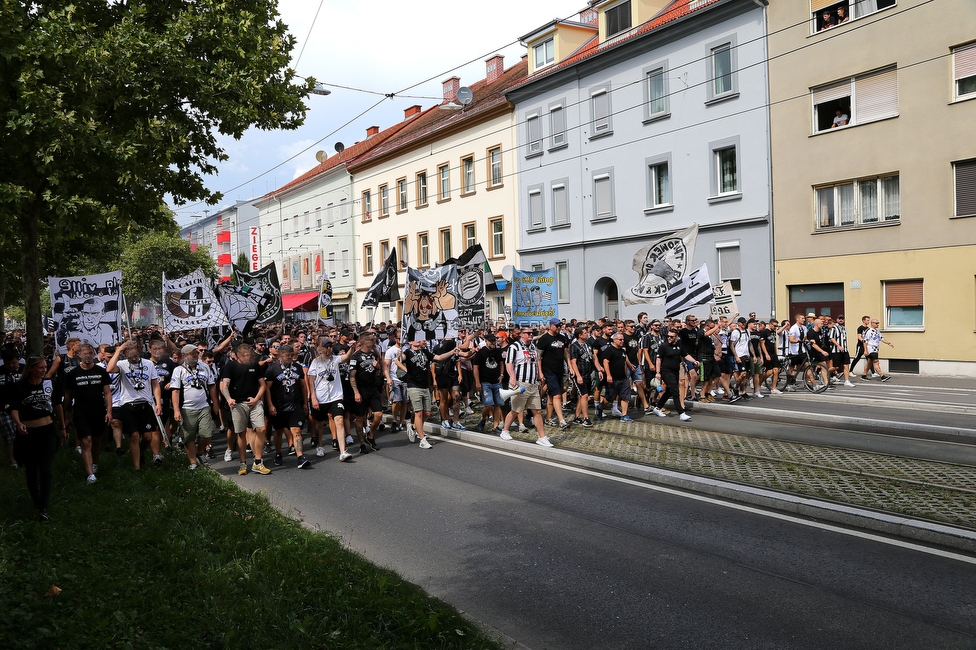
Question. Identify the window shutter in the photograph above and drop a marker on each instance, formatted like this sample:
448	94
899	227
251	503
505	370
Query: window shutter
535	208
965	188
831	92
729	263
903	293
876	96
965	61
817	5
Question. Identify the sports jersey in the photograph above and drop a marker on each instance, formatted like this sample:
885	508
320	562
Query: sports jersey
194	383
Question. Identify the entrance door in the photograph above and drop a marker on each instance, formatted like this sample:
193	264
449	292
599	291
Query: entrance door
820	299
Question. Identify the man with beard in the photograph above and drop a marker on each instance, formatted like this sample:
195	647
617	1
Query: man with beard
90	388
487	365
243	386
366	379
194	402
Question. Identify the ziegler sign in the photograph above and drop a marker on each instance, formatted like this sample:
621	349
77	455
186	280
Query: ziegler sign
254	254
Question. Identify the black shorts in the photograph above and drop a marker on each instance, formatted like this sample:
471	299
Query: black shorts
446	382
771	363
840	359
88	424
796	360
554	382
138	417
710	368
336	409
287	420
586	386
368	402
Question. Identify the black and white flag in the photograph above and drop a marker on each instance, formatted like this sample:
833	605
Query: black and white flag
189	303
265	280
87	308
693	290
660	265
241	304
385	287
430	308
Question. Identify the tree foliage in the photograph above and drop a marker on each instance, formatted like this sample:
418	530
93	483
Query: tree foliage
109	106
146	259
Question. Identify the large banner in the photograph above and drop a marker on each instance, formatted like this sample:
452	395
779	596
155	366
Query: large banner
661	265
326	310
691	291
430	308
470	295
385	287
725	304
87	307
242	304
189	303
534	297
265	280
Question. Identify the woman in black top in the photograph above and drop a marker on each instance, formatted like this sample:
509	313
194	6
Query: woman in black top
35	401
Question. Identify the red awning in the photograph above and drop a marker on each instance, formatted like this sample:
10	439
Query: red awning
308	301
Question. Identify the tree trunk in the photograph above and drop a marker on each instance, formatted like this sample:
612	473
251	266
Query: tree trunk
3	297
30	265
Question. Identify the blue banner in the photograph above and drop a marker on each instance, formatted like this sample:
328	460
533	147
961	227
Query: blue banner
534	297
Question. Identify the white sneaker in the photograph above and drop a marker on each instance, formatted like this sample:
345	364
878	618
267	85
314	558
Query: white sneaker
320	451
91	479
78	449
850	383
616	412
712	392
684	417
411	433
349	440
344	456
425	444
192	466
776	391
523	428
544	442
757	394
661	414
505	435
468	411
228	456
719	391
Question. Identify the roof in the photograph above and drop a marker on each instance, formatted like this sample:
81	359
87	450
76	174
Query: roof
672	12
435	121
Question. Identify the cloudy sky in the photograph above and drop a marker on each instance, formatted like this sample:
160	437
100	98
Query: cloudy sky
383	46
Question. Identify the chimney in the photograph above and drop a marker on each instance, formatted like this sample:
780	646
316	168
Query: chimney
494	67
410	112
450	88
371	131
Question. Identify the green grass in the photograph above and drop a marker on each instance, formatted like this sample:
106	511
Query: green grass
169	558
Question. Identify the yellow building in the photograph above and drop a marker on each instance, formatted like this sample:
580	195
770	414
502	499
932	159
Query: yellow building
873	137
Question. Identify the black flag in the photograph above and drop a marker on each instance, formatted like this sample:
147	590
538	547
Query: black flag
385	287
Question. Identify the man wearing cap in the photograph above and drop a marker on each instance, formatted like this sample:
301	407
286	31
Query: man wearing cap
522	364
553	359
194	399
487	365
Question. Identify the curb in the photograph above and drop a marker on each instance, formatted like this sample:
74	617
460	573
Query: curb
876	521
887	403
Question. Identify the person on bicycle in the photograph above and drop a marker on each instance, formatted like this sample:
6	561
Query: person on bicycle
795	338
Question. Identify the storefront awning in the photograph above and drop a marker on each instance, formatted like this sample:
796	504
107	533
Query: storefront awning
307	301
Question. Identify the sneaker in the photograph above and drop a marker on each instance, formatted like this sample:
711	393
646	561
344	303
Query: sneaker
684	417
291	450
192	467
735	398
78	449
600	415
885	377
349	441
496	431
481	425
119	451
158	460
790	389
577	420
228	456
551	422
247	450
468	411
459	427
335	444
876	375
776	391
626	418
259	468
544	442
242	470
320	451
850	384
372	444
425	443
42	516
660	413
865	377
344	456
210	453
616	412
757	394
91	479
522	428
304	463
363	449
586	423
446	425
505	435
94	468
411	433
278	460
564	425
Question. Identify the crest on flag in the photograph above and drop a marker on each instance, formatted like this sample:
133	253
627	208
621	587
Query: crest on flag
88	308
326	311
385	287
661	265
695	289
266	280
189	303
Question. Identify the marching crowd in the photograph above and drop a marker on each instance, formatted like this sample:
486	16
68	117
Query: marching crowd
269	390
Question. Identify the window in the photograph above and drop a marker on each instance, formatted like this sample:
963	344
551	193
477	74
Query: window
444	185
423	250
402	252
560	202
730	265
557	126
658	182
384	201
497	229
421	189
470	236
724	178
345	263
367	206
495	167
965	180
332	264
467	178
544	53
830	13
856	100
536	267
318	218
617	18
402	195
533	130
536	207
720	66
964	70
603	194
904	304
861	202
344	210
601	123
367	259
384	250
308	221
562	281
656	104
330	216
445	244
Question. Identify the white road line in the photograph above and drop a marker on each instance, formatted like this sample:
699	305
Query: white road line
727	504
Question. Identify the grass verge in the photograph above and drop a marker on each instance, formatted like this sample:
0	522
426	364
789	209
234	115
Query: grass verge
169	558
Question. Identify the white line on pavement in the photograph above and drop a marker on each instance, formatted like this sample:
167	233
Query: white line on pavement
728	504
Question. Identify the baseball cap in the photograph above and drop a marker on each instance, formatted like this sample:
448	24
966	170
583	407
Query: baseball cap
555	321
188	349
490	337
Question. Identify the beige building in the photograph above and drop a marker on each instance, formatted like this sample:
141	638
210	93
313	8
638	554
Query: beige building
873	137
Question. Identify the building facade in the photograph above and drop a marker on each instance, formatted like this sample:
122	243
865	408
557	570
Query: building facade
656	122
874	171
227	233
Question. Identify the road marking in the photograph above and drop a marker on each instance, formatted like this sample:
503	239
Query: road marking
727	504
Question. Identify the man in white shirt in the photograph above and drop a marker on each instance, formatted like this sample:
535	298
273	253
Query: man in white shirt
140	401
194	399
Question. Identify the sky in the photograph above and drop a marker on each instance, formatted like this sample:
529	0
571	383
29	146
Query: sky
383	46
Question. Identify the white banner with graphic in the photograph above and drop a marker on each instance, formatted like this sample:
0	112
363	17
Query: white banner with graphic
189	303
661	265
86	307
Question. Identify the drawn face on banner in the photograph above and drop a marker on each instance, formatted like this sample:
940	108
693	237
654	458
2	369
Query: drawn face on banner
91	314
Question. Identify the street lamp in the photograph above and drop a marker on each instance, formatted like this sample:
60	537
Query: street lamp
319	89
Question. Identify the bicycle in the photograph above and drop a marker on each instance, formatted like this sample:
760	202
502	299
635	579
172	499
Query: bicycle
816	376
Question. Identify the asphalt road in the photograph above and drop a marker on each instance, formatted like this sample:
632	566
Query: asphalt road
557	558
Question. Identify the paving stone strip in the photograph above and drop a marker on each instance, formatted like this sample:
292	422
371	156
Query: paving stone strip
925	489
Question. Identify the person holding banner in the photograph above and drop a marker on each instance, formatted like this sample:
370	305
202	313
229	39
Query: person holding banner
140	402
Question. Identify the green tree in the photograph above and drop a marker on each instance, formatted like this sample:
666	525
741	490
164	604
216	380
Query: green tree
242	264
146	259
107	107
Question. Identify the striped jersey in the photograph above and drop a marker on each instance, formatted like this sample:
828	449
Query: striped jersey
525	361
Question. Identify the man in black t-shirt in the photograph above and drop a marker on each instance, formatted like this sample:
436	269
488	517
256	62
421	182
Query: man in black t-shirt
287	403
91	389
668	365
689	337
859	350
447	380
553	349
487	365
616	367
581	372
632	345
366	380
417	362
599	341
242	384
10	373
